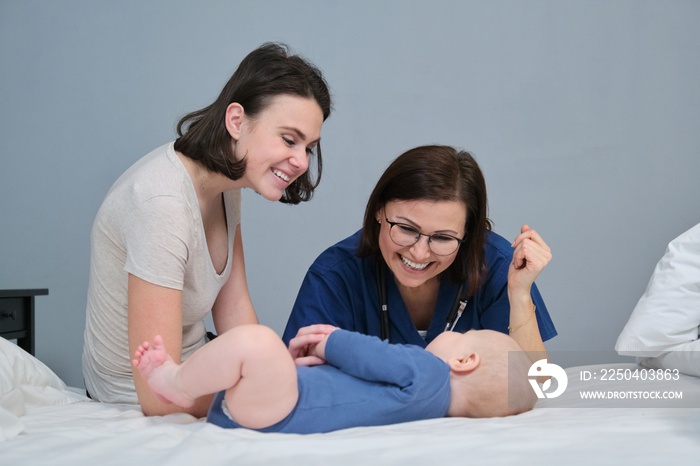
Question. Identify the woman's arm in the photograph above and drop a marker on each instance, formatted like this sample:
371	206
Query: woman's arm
523	326
157	310
530	256
233	306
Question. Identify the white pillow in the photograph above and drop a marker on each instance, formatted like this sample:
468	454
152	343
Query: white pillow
25	382
686	359
667	316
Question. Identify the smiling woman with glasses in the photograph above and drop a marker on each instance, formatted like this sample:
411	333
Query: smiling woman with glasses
426	261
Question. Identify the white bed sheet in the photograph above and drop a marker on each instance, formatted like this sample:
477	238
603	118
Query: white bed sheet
55	426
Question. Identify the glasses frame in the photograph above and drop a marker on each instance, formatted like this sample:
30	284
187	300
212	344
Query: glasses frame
419	234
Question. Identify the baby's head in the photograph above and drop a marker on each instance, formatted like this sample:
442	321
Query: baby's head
488	373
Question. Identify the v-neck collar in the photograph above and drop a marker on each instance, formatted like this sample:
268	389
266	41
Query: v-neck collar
401	320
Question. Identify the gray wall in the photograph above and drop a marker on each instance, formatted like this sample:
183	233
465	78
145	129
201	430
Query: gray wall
585	116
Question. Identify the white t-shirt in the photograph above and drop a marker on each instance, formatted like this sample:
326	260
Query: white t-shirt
149	225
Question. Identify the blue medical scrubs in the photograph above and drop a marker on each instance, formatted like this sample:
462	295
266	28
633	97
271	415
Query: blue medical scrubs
340	289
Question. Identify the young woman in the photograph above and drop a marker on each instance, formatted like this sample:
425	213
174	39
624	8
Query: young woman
166	242
426	261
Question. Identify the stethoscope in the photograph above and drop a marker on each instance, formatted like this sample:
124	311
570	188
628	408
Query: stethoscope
458	305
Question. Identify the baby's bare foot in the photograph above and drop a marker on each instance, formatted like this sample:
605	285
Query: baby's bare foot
148	357
158	368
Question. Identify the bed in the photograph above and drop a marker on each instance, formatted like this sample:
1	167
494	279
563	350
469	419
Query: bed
44	422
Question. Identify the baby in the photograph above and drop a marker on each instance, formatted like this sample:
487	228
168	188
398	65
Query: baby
341	379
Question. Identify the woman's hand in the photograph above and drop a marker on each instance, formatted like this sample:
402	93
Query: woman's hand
308	346
530	256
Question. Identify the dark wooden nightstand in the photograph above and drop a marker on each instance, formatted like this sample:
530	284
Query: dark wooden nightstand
17	316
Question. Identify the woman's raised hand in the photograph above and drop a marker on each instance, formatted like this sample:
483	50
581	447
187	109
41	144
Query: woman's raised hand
530	256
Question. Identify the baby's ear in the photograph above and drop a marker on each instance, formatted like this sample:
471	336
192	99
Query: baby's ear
464	364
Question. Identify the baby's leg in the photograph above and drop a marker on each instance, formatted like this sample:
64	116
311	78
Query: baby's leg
250	362
159	370
267	390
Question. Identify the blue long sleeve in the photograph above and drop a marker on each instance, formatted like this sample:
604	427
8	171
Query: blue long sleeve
371	359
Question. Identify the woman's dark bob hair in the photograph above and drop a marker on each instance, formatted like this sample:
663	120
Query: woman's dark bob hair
266	72
435	173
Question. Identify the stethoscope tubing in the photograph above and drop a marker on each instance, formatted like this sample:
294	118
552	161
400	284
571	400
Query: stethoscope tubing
458	306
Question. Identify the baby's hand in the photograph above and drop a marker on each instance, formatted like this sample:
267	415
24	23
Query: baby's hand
305	349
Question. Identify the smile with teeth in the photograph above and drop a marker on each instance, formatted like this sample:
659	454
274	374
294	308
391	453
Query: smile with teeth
281	175
413	265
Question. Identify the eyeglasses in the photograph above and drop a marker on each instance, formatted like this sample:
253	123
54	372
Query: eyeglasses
406	235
